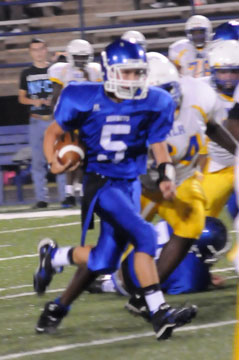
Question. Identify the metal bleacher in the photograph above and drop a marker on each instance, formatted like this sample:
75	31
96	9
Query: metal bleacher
92	20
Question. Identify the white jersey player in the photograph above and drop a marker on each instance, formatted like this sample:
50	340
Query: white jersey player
224	63
197	104
194	110
190	55
79	67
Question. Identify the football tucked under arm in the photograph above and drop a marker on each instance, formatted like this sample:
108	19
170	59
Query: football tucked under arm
69	149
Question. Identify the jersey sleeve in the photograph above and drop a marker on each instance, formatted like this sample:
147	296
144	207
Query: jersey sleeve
75	101
176	52
218	112
55	73
65	111
161	118
236	94
23	81
94	71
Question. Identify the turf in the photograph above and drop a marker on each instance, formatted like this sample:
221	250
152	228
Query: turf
101	318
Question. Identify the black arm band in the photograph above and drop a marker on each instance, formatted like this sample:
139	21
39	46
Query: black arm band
221	136
166	172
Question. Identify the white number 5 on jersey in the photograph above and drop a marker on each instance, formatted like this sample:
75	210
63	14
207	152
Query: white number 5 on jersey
113	145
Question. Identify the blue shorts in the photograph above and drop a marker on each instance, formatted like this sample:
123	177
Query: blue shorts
118	206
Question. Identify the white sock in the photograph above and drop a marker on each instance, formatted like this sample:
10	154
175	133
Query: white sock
108	286
61	257
154	300
69	189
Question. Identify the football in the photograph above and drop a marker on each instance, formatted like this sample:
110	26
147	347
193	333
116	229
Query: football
69	148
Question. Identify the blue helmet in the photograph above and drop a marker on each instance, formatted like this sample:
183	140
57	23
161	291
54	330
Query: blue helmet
119	56
227	31
213	241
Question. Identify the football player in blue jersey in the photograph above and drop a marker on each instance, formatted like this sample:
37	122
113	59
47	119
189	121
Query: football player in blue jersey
117	120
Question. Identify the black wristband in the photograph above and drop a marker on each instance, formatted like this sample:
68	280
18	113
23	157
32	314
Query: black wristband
166	172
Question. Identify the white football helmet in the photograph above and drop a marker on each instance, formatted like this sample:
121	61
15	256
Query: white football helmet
224	64
135	37
79	53
163	73
198	30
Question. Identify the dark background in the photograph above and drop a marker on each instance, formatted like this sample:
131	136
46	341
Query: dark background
11	112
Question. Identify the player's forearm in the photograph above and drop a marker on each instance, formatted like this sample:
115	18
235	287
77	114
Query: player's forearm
221	136
160	151
51	135
25	100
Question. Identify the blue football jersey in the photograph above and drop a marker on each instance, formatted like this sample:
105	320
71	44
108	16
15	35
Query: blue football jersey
116	134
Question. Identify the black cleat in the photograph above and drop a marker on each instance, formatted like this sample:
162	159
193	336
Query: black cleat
167	318
45	271
138	307
69	202
40	205
50	318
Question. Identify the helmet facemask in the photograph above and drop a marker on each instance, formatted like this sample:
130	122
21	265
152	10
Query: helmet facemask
124	88
198	36
79	53
226	79
80	61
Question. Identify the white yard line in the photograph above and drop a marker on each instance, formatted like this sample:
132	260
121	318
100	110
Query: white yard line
40	227
19	257
32	293
109	341
222	270
15	287
40	214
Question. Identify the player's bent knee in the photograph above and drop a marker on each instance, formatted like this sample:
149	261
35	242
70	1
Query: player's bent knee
105	262
146	241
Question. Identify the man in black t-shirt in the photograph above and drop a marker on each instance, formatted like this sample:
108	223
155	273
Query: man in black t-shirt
36	92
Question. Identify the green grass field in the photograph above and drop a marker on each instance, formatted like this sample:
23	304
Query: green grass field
98	326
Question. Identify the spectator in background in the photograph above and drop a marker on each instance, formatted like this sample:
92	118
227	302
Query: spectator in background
36	92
